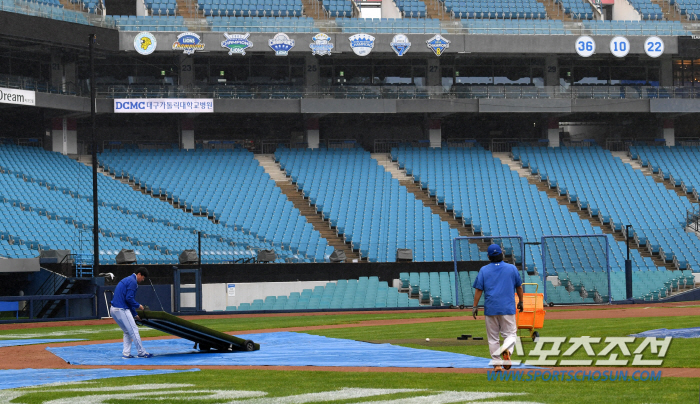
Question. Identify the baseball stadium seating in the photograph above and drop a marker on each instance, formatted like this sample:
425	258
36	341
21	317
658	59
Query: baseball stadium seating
411	8
250	8
46	9
366	205
521	9
647	10
149	23
338	8
365	292
688	8
514	27
620	195
192	179
47	204
261	24
577	10
390	25
598	27
679	164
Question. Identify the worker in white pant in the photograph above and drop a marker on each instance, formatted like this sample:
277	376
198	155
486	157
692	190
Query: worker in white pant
497	281
123	311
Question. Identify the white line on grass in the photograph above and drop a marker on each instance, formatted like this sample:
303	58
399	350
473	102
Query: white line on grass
444	398
342	394
174	395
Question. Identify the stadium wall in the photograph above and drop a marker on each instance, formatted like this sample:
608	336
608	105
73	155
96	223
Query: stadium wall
252	273
623	10
215	296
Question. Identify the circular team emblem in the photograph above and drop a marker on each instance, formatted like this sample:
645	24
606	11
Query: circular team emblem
145	43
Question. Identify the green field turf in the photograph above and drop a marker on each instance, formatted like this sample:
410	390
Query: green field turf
275	383
194	388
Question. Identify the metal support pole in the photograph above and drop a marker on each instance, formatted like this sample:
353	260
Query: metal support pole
628	267
627	233
95	222
523	270
199	248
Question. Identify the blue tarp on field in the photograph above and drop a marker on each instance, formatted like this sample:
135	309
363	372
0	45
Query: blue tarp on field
32	341
675	333
276	349
15	378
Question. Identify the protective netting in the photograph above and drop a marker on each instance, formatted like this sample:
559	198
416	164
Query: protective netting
470	255
577	269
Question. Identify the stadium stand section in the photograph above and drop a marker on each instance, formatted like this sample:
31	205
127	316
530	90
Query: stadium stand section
647	10
192	179
149	23
530	214
597	27
593	177
442	172
161	7
51	209
521	9
49	9
688	8
577	9
679	164
411	8
341	8
514	27
390	25
261	24
251	8
366	205
365	292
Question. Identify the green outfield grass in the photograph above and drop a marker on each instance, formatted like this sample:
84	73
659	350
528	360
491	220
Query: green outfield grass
275	383
194	387
682	352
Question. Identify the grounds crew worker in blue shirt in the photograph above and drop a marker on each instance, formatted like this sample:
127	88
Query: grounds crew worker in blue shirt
123	311
497	281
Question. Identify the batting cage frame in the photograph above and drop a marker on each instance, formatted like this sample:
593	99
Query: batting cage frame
493	239
543	246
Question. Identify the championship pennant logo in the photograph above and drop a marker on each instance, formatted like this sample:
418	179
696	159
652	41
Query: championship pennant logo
281	44
400	44
189	43
362	44
438	44
236	43
322	45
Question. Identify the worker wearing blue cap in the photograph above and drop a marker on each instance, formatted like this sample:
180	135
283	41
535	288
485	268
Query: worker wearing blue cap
497	281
